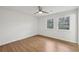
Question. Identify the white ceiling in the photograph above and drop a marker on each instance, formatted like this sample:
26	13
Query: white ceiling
32	9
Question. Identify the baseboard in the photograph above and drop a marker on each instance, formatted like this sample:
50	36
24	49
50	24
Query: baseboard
63	41
18	39
39	35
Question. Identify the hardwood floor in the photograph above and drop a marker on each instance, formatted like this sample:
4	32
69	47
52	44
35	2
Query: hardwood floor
39	44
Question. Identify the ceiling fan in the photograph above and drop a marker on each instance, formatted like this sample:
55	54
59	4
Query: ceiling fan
40	11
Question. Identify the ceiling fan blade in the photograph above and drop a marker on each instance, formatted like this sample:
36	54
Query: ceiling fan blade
44	12
39	9
36	12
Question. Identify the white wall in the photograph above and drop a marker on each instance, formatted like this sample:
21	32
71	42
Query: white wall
67	35
15	25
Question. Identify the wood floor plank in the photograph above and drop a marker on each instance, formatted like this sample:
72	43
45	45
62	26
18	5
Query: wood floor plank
39	44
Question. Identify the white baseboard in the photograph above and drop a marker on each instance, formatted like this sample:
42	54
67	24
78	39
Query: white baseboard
4	43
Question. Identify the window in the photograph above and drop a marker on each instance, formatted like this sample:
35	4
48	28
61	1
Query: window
64	23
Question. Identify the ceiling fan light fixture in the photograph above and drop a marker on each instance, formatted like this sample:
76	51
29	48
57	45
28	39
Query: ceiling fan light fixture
40	12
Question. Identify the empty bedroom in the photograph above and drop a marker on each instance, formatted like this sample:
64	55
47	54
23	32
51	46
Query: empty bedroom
39	29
